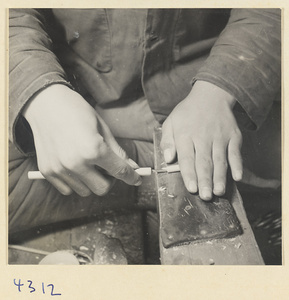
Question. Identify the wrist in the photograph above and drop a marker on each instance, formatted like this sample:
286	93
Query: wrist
207	88
37	102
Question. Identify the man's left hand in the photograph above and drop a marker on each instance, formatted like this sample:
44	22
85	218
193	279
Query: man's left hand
204	136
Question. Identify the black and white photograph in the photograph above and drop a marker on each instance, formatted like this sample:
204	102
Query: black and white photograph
136	135
144	137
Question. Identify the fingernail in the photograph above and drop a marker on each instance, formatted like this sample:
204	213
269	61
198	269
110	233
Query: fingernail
238	175
219	188
192	187
206	193
132	163
168	155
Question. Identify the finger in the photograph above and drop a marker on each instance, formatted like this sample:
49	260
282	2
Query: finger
220	168
98	183
117	167
120	152
75	184
113	144
235	157
62	187
204	170
186	160
167	141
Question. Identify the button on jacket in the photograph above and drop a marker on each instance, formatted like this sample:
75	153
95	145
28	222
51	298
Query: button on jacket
113	55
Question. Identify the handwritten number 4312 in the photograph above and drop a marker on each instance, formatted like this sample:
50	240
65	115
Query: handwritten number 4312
33	289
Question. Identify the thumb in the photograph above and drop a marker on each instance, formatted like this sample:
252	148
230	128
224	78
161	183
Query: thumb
168	142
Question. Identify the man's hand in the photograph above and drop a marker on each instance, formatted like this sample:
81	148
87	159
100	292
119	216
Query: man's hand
203	133
73	144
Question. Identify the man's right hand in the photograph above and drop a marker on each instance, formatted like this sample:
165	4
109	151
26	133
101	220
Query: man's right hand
74	145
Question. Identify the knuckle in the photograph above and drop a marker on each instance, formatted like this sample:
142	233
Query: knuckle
66	192
235	154
220	162
89	152
101	150
204	172
224	164
187	159
184	135
44	168
85	193
183	138
102	190
121	171
71	164
202	146
46	171
205	161
204	182
58	169
92	149
50	171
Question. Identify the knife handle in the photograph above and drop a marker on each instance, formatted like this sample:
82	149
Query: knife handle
35	175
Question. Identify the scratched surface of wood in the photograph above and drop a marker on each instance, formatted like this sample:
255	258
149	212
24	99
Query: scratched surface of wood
235	249
186	218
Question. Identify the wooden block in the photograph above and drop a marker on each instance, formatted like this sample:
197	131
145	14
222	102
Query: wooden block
186	218
241	249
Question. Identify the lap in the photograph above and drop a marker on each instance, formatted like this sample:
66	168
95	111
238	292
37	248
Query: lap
34	203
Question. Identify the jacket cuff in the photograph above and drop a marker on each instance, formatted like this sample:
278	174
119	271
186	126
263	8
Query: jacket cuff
245	61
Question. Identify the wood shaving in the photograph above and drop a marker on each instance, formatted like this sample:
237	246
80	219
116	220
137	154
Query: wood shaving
238	245
83	248
171	196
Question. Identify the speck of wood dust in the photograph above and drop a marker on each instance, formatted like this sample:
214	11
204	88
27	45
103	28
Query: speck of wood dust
171	196
238	245
170	237
83	248
189	202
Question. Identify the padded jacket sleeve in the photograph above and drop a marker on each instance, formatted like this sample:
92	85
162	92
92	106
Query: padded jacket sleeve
32	67
246	60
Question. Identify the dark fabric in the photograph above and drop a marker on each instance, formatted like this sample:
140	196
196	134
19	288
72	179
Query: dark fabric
116	55
113	56
251	68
